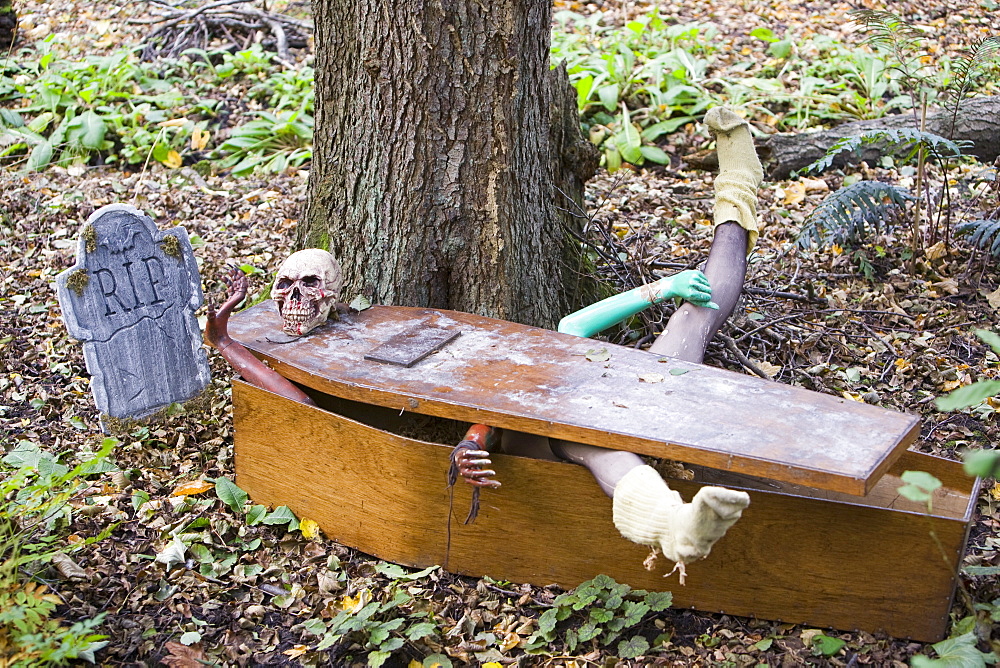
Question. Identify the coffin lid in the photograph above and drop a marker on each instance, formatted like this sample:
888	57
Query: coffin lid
539	381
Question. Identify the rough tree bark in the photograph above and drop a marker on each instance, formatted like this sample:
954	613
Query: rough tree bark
445	171
978	121
8	25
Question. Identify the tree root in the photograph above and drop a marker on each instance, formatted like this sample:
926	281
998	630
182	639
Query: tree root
238	22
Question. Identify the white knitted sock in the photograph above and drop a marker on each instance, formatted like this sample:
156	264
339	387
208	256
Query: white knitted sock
740	171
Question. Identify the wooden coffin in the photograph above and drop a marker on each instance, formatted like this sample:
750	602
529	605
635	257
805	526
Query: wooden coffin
807	550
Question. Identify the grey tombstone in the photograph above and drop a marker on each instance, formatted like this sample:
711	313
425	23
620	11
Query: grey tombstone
131	298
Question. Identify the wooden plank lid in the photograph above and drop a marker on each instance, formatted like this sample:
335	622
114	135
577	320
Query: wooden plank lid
539	381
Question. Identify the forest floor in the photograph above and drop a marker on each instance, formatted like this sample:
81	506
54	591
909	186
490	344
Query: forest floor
871	330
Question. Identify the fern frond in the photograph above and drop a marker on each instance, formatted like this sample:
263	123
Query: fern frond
887	30
969	66
895	141
983	234
853	214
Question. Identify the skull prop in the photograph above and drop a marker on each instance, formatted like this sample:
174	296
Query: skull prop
306	288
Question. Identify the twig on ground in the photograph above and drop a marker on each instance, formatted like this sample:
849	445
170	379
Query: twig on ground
740	357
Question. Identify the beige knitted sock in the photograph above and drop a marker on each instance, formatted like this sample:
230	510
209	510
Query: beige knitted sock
648	512
740	171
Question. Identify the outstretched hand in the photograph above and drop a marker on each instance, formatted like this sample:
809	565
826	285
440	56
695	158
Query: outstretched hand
473	465
216	328
691	285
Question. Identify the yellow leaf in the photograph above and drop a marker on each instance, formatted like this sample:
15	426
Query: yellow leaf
795	193
492	664
852	397
192	487
995	491
949	385
415	664
173	160
510	641
199	139
309	529
352	604
298	650
836	249
173	123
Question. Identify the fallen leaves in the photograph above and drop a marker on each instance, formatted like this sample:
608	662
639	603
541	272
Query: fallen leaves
192	488
183	656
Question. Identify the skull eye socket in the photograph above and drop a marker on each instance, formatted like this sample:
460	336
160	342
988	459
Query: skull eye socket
310	281
283	284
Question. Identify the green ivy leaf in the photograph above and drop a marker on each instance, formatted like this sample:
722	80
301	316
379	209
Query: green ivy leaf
231	494
256	514
826	645
376	659
635	646
634	612
600	615
969	395
920	486
658	601
421	630
957	652
982	463
282	515
989	338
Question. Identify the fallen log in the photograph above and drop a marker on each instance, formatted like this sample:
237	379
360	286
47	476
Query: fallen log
978	121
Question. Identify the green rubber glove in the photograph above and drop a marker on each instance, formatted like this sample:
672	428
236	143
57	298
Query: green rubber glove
691	285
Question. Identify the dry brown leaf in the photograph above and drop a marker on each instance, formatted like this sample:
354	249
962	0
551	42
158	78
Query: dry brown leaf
68	568
994	299
182	656
814	185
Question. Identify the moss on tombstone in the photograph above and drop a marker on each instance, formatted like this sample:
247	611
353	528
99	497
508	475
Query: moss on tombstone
78	281
90	238
171	246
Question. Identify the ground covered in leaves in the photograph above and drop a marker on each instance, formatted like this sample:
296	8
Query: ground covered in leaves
868	326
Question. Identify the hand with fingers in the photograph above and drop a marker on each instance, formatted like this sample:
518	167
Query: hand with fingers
690	285
471	457
242	360
216	328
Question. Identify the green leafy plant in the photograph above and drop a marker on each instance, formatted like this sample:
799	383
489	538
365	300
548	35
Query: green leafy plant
977	392
35	491
854	213
107	106
983	234
953	652
271	144
600	611
900	46
381	627
635	83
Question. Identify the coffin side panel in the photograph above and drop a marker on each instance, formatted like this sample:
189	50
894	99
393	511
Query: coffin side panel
790	558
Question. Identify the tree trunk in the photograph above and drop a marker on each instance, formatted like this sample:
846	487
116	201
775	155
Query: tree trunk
445	171
8	25
978	121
